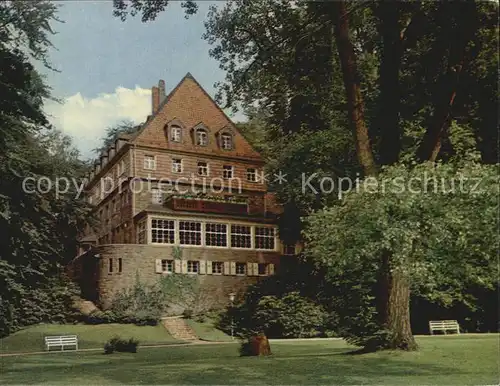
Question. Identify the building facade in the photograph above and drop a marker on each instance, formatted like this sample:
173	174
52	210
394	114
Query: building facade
184	194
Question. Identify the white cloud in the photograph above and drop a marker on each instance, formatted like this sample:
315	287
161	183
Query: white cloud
86	119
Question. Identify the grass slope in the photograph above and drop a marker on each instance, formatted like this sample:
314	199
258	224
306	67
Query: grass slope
89	336
451	360
207	331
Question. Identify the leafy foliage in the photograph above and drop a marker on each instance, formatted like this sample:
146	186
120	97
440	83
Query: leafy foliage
124	127
38	229
141	304
288	316
443	240
121	345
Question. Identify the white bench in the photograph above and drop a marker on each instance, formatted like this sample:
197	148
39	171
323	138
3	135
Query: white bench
61	341
444	325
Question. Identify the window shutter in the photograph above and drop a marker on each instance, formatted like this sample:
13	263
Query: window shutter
203	267
233	268
270	269
255	269
250	271
209	267
184	266
177	266
227	268
158	266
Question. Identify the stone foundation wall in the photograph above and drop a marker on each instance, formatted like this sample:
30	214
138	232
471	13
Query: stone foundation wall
137	259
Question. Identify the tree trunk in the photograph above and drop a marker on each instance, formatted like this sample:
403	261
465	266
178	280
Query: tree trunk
466	20
393	307
394	288
355	104
259	345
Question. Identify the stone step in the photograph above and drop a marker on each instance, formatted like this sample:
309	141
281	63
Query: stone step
178	328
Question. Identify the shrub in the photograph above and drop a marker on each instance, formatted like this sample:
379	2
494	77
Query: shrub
120	345
187	314
144	299
103	317
291	316
246	348
47	302
288	316
142	305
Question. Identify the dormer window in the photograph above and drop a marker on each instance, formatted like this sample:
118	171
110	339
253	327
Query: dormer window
175	133
227	141
201	137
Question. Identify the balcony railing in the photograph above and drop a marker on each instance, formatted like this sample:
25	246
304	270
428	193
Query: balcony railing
208	206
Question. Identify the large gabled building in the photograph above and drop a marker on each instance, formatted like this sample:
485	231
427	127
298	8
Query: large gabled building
183	195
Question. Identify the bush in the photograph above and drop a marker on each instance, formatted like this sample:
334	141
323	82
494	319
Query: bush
102	317
120	345
246	348
288	316
142	305
48	302
143	301
187	314
141	318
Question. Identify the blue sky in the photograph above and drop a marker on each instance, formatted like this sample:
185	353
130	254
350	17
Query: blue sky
107	66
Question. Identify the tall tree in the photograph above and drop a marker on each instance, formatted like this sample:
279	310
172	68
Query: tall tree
38	225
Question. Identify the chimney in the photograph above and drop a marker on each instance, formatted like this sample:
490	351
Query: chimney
155	98
161	86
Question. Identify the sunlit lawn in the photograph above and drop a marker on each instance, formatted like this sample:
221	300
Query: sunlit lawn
89	336
447	360
207	331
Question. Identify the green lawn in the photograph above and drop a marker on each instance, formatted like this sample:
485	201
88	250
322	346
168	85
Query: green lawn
207	331
89	336
449	360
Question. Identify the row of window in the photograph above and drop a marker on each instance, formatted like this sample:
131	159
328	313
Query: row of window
201	137
167	231
202	168
213	267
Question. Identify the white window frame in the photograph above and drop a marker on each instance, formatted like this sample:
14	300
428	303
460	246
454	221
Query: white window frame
227	145
201	137
241	234
203	231
206	167
200	232
206	231
273	237
219	264
175	133
149	162
227	172
191	264
245	268
251	174
162	229
167	266
156	196
175	164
